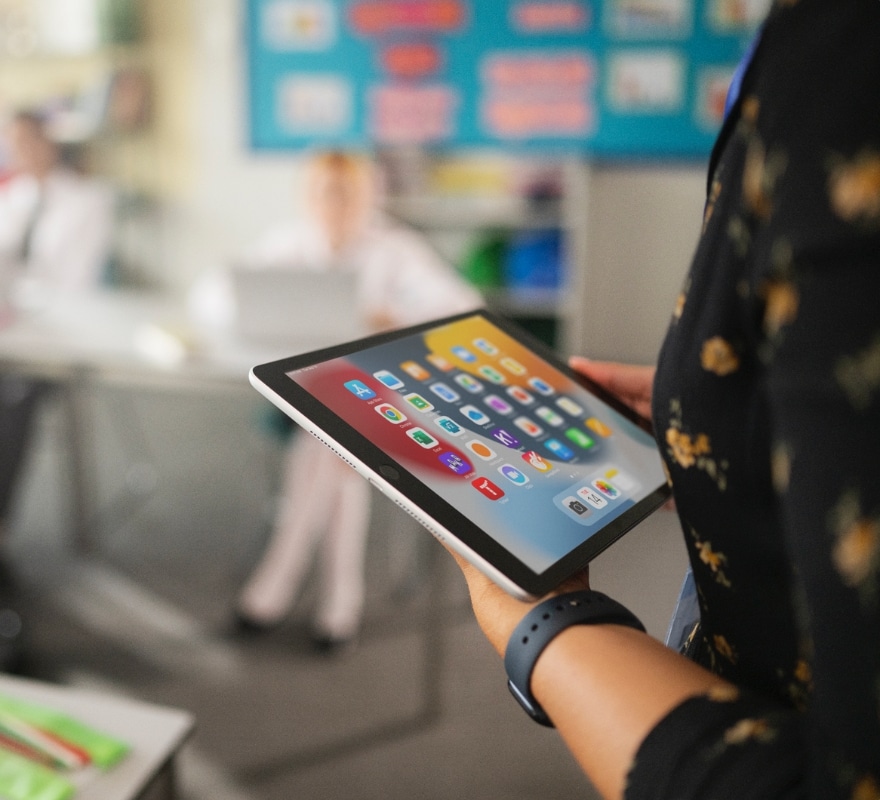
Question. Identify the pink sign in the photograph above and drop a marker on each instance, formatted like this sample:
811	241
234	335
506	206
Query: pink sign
411	114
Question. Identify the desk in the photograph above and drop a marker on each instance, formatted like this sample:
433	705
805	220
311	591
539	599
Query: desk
105	332
155	733
74	340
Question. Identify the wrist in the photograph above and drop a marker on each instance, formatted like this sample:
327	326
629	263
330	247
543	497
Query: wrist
545	622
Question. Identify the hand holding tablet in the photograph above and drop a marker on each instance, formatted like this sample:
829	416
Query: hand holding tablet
478	431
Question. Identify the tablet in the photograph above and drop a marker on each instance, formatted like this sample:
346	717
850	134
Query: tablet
481	433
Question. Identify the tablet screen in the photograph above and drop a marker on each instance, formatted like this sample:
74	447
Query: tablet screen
516	445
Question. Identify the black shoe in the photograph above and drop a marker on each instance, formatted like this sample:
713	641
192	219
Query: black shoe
328	645
245	625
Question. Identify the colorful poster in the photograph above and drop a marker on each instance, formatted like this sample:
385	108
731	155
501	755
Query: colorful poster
615	78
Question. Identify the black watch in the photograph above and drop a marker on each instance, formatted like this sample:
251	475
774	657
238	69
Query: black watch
542	624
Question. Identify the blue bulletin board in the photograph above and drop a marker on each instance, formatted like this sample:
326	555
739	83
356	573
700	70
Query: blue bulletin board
609	78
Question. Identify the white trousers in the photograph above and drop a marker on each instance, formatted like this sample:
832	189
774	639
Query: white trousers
324	508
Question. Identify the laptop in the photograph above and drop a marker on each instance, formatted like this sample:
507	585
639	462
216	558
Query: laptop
299	309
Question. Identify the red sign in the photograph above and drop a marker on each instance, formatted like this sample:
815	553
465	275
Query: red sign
380	17
550	17
411	60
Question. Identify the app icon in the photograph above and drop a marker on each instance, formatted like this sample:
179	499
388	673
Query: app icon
608	489
415	370
419	402
580	438
485	346
475	415
621	480
537	462
387	378
481	450
513	474
390	413
449	425
486	487
491	374
422	437
541	386
463	354
513	366
595	500
468	383
441	363
505	437
528	426
360	390
521	396
569	406
455	462
498	404
598	427
549	416
445	393
576	506
559	449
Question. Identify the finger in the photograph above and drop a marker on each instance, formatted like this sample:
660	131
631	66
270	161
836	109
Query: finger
631	383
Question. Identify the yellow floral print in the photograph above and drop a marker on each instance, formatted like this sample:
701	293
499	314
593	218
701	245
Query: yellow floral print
680	301
685	450
725	649
716	561
856	551
781	300
854	187
679	306
749	730
723	694
718	356
761	172
693	451
859	375
867	788
712	559
803	673
751	105
780	468
714	194
800	687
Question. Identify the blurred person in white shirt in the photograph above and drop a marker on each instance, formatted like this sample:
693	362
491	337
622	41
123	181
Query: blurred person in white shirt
56	225
56	229
325	505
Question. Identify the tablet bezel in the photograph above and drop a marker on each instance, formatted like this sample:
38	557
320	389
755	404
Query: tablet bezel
442	519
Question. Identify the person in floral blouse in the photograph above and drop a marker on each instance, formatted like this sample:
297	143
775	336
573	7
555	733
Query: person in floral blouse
766	407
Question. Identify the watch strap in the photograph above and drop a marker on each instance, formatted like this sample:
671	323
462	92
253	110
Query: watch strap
542	624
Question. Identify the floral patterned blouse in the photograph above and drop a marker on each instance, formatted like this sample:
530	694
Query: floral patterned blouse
767	409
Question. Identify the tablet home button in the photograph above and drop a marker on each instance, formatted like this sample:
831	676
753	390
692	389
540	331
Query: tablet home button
389	472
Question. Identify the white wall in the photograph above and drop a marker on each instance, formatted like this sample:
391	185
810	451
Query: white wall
234	194
642	227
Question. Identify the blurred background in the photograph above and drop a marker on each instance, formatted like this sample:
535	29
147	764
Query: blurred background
551	154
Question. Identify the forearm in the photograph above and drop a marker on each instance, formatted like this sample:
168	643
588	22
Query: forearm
605	687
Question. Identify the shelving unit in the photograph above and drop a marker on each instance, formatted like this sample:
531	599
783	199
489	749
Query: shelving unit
454	221
146	159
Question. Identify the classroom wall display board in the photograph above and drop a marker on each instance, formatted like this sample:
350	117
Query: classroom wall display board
610	78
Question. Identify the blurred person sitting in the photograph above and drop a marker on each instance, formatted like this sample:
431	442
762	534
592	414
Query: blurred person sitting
56	225
56	230
400	280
